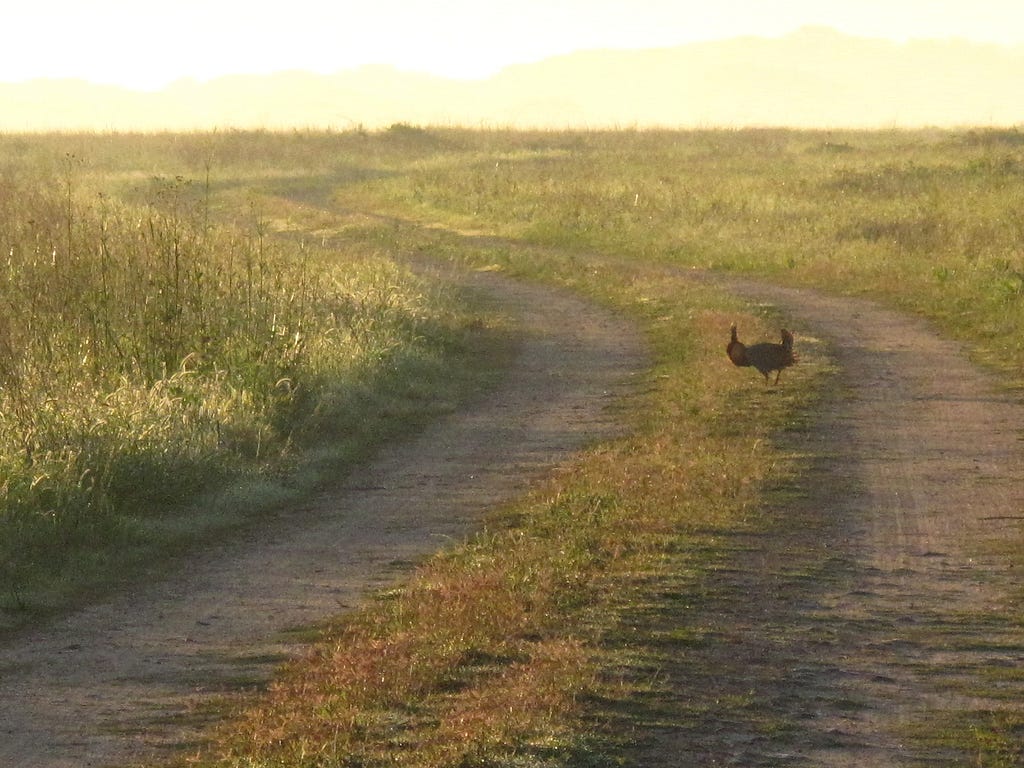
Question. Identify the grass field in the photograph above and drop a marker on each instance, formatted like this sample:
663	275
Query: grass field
929	221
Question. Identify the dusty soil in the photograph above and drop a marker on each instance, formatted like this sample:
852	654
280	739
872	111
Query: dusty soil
121	681
885	595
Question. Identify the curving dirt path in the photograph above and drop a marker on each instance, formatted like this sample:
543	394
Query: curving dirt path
886	595
121	681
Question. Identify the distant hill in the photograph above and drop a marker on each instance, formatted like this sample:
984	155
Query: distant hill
813	77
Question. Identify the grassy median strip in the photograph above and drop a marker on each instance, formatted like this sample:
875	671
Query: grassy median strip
499	652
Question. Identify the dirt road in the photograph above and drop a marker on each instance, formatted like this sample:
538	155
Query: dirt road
117	682
885	596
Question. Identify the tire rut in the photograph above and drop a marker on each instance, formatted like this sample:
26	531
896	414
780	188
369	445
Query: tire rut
125	680
883	603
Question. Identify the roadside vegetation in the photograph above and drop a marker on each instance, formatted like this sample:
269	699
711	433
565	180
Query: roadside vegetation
537	642
169	369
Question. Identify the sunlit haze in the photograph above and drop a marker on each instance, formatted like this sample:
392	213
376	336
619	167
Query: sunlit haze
148	44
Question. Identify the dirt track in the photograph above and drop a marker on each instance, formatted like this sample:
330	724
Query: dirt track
886	595
117	682
883	599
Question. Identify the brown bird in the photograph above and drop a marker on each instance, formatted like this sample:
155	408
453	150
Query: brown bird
766	357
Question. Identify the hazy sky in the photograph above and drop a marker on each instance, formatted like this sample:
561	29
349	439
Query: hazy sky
149	43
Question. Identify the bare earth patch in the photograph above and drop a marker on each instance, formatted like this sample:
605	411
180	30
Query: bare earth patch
883	604
121	681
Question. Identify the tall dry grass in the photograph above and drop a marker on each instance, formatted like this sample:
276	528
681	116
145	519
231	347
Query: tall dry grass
157	342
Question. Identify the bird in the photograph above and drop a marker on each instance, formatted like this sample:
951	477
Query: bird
766	356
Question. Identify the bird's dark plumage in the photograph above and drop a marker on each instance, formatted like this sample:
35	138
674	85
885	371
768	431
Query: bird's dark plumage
765	357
